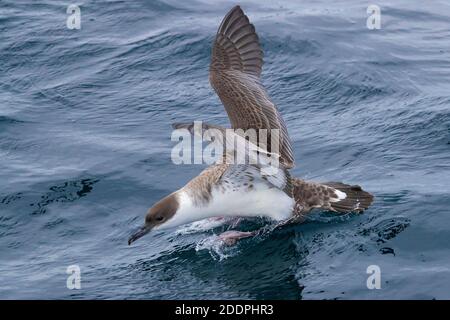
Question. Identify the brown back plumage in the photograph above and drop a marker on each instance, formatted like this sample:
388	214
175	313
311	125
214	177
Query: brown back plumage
235	69
200	187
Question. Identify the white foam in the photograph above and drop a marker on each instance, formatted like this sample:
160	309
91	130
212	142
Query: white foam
202	225
216	248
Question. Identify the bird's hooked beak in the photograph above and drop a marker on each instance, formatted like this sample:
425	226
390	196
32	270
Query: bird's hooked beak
138	234
159	213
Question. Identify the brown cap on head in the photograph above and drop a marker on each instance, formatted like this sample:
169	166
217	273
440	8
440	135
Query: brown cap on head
161	211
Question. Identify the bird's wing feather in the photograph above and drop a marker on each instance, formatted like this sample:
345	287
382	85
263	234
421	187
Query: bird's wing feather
235	70
236	147
239	174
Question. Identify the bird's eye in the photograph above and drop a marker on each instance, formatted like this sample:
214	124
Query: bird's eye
160	218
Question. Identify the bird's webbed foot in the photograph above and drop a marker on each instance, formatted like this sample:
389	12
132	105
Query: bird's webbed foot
231	237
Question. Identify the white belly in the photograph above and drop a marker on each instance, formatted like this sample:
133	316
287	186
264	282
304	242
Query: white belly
260	201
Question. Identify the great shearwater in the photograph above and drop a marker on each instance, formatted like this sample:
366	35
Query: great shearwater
242	190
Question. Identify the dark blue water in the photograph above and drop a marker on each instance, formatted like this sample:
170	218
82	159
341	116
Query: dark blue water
85	148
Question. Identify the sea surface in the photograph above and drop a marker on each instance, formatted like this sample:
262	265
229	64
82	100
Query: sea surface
85	148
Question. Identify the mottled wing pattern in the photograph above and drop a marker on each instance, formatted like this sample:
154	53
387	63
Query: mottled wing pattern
245	177
333	196
235	69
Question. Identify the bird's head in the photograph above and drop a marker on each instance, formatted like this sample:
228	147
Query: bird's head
157	215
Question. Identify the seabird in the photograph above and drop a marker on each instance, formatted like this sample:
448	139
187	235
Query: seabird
243	190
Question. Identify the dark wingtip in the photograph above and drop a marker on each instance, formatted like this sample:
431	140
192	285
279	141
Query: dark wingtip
236	7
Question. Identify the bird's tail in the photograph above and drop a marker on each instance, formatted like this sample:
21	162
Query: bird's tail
333	196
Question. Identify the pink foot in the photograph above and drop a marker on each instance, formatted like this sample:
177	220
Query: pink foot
231	237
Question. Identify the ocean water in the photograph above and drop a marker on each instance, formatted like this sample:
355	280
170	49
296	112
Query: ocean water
85	124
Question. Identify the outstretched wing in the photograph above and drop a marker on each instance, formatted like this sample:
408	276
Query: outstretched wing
235	70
